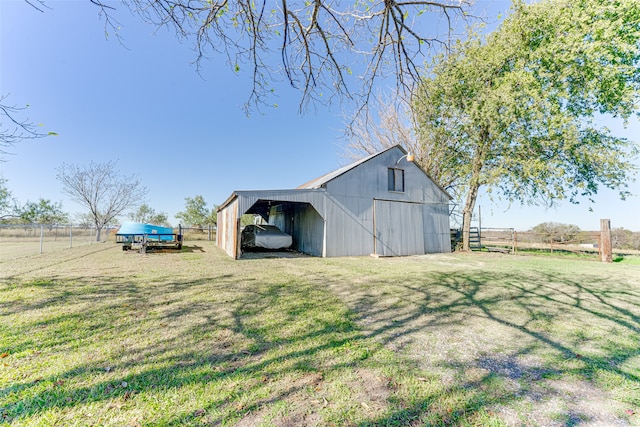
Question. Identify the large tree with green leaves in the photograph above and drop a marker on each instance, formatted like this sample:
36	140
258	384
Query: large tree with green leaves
196	213
517	112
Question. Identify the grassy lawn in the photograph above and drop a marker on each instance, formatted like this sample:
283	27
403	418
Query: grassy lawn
96	336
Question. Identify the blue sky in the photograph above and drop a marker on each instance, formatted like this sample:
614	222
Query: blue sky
144	105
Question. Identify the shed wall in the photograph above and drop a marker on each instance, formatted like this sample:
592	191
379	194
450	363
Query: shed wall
349	226
369	180
227	234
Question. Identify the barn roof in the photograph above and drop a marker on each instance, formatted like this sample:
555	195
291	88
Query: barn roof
317	183
320	181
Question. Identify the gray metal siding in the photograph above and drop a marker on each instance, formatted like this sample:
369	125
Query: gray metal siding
350	229
398	228
437	237
278	217
349	226
370	180
308	230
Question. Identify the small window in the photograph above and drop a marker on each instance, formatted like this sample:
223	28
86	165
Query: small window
396	179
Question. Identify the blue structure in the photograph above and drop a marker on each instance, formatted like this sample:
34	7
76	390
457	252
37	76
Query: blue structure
140	236
154	232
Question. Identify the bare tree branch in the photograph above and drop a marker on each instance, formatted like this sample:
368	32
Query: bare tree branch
111	25
328	50
13	129
40	4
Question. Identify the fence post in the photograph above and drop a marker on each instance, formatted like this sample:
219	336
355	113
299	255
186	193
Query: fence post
70	236
41	236
605	240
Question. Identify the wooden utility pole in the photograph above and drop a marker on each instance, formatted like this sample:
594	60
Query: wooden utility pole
605	240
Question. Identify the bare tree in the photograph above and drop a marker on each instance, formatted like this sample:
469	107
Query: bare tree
101	189
38	5
393	124
388	124
326	49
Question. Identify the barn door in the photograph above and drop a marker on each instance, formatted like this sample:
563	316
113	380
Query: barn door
398	228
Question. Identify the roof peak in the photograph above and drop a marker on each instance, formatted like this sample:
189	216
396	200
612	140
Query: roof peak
318	182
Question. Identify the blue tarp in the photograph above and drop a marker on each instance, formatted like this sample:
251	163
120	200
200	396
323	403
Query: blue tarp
153	232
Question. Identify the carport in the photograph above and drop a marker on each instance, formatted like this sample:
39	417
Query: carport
292	211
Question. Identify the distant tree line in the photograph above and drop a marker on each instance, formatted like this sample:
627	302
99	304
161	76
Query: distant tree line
146	214
625	239
197	214
43	211
554	232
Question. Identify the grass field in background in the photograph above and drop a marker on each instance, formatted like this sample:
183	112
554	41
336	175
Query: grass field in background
93	335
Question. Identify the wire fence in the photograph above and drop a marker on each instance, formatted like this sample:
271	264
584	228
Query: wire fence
18	240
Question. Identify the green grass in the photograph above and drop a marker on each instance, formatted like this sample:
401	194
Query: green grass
96	336
627	259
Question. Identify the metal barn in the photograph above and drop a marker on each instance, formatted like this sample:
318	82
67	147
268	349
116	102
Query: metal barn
381	205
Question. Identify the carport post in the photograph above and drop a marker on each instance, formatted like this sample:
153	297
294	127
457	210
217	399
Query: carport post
238	239
324	239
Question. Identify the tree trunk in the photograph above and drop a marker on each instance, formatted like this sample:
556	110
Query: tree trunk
474	185
467	213
98	233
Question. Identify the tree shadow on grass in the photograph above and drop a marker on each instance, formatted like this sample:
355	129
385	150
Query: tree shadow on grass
578	330
291	347
238	347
